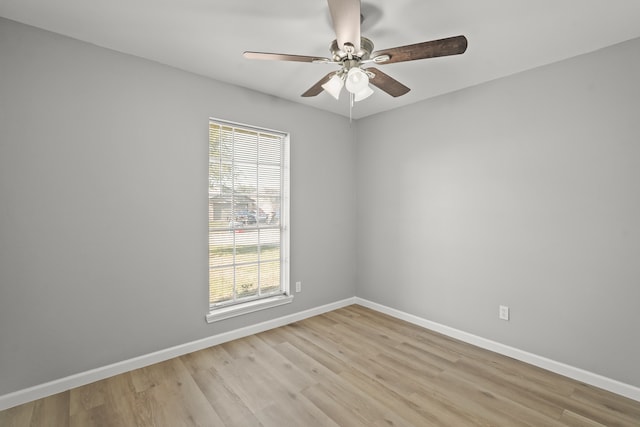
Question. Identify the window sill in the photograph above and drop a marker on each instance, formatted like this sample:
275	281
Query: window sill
248	307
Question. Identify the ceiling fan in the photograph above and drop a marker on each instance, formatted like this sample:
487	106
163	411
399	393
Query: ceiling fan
351	52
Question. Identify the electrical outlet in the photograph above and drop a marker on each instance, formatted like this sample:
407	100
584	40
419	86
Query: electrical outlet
504	312
298	286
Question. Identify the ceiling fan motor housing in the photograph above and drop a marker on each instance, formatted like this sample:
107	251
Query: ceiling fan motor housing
339	54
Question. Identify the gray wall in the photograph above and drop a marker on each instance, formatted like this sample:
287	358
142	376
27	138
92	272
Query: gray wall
103	204
524	191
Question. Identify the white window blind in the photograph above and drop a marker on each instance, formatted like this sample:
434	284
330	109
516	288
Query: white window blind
248	208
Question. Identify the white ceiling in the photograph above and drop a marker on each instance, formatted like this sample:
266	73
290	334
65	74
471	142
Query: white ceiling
208	38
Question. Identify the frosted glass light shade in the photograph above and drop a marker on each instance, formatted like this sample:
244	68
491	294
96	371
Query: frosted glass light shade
363	94
357	80
333	86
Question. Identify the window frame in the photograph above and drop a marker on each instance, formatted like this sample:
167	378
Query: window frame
223	311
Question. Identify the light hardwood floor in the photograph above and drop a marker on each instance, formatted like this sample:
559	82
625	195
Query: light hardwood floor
349	367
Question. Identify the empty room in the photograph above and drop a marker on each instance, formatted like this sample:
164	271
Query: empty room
319	213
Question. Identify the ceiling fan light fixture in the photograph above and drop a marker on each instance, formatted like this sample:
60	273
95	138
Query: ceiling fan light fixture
334	86
363	94
357	80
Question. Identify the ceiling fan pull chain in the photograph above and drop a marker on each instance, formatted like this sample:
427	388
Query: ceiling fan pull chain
351	96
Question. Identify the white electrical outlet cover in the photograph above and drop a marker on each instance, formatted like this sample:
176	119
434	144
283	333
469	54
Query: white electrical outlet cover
504	312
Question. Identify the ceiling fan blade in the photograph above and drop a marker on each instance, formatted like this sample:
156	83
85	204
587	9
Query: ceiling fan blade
317	88
387	83
443	47
284	57
345	15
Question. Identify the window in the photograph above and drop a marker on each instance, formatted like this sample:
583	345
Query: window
248	219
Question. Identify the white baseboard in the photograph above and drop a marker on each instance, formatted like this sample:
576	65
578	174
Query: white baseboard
578	374
47	389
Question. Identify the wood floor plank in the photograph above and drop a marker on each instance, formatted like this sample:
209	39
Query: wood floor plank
312	367
422	360
250	382
317	345
620	407
203	366
52	411
350	367
517	391
345	415
86	397
447	412
96	416
18	415
289	374
293	409
414	413
120	400
575	420
227	403
349	406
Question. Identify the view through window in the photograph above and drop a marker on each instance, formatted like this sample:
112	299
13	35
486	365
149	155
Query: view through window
248	190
